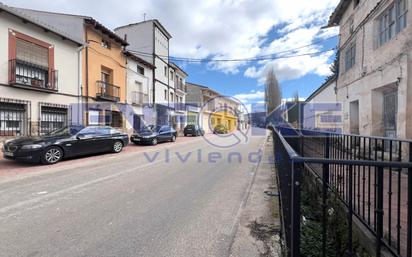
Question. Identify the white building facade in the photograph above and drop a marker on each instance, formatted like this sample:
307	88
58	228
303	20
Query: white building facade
149	40
39	76
321	110
374	81
139	92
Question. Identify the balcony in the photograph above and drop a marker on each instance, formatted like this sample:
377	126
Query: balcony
32	76
107	92
180	86
139	98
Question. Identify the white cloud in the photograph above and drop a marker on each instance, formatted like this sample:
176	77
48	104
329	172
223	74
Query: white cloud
221	29
252	97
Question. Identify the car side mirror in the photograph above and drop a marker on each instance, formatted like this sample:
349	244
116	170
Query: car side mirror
80	136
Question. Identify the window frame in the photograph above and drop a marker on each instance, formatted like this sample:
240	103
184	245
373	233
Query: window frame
392	21
350	55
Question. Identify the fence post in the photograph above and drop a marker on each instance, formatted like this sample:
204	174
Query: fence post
379	212
409	229
295	208
350	210
325	183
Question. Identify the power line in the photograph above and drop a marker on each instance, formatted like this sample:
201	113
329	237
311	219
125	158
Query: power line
271	56
188	60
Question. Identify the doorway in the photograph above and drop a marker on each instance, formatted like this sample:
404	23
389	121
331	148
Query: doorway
354	117
390	111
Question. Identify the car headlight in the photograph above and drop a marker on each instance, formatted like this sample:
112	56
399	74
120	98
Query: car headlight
31	147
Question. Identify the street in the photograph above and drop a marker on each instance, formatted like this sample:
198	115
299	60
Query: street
147	201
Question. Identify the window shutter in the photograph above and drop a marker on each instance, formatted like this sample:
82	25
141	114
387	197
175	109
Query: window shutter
32	53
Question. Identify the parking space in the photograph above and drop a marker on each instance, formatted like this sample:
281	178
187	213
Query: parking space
12	168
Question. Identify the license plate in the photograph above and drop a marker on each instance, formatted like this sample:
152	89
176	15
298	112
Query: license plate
137	139
9	154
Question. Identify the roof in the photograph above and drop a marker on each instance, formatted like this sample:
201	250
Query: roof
155	22
138	59
337	14
98	26
203	87
174	65
321	88
87	19
47	27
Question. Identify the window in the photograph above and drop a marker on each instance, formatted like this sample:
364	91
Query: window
392	21
171	75
387	25
106	75
165	95
140	70
13	117
350	55
52	118
171	97
106	44
402	11
165	71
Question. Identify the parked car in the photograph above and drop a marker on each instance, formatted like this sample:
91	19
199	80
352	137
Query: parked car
153	135
193	130
220	129
66	142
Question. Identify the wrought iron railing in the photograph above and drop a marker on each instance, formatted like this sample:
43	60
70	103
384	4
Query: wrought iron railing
107	91
139	98
370	176
29	75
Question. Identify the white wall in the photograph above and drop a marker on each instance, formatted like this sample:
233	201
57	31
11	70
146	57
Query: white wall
65	59
140	38
376	68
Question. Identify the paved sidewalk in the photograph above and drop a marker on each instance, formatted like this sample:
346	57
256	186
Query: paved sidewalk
259	225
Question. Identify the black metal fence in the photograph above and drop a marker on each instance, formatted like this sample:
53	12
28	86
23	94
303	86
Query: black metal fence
370	176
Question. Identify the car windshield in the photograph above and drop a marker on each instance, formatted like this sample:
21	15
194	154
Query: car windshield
157	128
68	130
147	129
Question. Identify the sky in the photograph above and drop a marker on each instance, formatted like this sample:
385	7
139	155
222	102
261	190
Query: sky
287	31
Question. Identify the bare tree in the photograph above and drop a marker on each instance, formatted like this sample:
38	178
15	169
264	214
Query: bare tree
273	95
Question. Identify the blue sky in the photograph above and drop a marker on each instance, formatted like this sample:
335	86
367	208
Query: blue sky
229	29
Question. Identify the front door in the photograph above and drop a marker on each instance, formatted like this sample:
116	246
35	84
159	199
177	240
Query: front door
136	123
390	110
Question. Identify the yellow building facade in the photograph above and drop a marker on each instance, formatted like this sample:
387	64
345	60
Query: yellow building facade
104	76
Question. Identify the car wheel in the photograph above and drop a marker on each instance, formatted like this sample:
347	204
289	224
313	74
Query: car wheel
52	155
173	138
117	147
154	141
185	135
136	143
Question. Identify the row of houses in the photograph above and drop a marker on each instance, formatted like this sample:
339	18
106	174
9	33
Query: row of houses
372	89
58	69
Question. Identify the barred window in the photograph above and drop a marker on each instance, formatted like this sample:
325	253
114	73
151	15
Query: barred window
350	55
52	118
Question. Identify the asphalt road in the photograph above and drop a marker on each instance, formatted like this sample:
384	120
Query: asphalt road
128	205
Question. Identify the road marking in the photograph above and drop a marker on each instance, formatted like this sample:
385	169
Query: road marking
42	193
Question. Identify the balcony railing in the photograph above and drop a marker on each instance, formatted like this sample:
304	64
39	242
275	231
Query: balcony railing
355	178
107	91
139	98
180	86
33	76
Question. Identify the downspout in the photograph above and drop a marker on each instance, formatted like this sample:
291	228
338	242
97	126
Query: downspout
87	77
80	87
